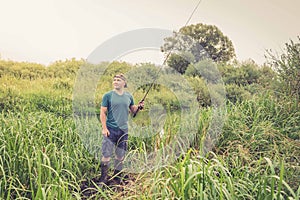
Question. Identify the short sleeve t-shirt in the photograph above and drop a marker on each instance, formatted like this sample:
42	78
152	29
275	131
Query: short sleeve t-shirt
117	109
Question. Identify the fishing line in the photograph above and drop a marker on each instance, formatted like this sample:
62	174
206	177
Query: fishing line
164	62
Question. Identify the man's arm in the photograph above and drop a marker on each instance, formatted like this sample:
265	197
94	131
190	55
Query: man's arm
103	112
134	108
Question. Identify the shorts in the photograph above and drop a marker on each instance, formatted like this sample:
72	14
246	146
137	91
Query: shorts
115	142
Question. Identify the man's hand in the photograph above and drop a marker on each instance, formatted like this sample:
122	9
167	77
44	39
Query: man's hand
141	105
105	132
135	108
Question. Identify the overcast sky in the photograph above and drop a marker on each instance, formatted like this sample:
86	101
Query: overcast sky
45	31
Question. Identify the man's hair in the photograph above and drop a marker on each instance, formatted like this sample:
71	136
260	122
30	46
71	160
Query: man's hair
121	76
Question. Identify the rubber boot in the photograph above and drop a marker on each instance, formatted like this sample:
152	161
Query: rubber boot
117	172
104	171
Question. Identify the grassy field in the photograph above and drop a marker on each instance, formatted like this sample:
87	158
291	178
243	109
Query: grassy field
256	156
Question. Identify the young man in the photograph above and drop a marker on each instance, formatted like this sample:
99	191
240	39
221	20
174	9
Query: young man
115	108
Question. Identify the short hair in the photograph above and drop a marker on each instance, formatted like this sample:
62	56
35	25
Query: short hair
121	76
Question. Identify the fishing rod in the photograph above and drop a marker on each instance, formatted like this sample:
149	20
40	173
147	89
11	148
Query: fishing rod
164	62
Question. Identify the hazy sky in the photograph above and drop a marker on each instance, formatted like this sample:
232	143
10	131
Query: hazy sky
45	31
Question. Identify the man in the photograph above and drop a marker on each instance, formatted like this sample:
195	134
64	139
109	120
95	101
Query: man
115	108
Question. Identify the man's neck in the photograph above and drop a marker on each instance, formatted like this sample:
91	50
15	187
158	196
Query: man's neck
119	91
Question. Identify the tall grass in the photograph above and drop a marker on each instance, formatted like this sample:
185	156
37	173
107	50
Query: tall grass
42	154
258	128
198	177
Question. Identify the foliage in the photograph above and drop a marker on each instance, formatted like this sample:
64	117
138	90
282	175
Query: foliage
64	69
116	68
206	69
42	155
201	90
245	73
235	93
32	71
202	41
287	66
266	77
258	128
22	70
178	62
215	177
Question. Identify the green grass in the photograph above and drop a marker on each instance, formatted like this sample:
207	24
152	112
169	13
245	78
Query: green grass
43	156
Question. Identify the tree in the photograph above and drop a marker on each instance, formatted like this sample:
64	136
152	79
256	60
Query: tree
241	74
267	76
67	68
178	62
202	41
287	65
206	69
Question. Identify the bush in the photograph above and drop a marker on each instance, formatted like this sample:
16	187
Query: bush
235	93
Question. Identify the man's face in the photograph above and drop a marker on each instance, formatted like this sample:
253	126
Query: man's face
118	83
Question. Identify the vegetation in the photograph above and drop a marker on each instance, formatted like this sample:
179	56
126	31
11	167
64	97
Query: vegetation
196	42
256	155
288	67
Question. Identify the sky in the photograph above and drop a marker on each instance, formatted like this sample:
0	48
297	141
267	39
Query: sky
44	31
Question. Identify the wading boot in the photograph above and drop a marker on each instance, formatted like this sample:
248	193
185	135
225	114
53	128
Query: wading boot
117	177
104	171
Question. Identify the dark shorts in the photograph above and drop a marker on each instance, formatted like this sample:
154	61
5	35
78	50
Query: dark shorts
115	142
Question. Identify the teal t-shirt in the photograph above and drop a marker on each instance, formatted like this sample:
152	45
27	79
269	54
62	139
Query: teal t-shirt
117	109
